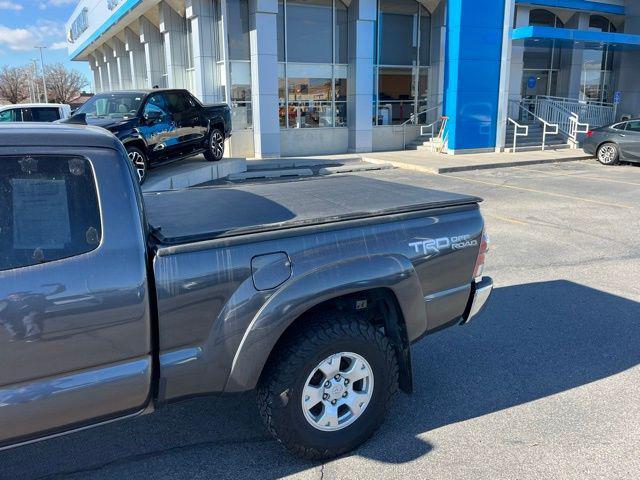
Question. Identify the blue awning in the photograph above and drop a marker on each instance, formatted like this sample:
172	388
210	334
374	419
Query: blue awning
621	40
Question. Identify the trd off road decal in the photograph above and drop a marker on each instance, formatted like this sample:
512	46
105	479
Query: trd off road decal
435	246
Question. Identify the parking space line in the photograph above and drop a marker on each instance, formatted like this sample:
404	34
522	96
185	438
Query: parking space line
505	219
577	175
532	190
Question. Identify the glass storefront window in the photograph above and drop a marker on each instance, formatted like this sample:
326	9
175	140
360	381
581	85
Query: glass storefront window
238	29
597	67
542	58
340	102
241	95
310	102
395	95
309	31
313	51
403	39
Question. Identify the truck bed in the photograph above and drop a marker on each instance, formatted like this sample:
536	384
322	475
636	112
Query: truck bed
207	213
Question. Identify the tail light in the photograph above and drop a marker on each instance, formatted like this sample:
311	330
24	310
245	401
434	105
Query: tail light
590	133
484	248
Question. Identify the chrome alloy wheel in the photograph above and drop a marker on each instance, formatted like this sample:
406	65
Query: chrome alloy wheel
607	153
216	144
139	164
337	391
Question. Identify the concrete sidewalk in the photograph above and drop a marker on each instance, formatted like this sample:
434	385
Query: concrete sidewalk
429	162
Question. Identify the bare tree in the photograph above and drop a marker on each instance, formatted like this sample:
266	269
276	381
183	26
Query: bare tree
64	85
14	86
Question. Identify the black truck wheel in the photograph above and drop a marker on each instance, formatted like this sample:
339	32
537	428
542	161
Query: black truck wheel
328	387
215	146
139	161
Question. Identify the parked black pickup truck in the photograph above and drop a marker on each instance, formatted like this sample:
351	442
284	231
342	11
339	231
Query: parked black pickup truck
310	291
159	124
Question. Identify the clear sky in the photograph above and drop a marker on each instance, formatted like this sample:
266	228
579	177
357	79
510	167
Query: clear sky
27	23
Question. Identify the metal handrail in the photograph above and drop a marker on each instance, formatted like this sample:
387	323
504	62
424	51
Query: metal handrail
575	127
413	119
577	100
516	134
555	126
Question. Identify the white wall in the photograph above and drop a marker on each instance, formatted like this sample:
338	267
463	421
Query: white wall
313	141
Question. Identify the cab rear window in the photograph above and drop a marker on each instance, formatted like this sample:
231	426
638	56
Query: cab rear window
49	209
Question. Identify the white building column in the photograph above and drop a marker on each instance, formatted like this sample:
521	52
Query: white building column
111	66
97	81
137	63
123	67
517	55
174	32
264	77
102	71
151	38
572	60
201	15
362	16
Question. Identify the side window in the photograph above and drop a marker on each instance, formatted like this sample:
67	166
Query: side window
49	209
13	115
177	103
157	103
633	126
620	126
6	116
48	114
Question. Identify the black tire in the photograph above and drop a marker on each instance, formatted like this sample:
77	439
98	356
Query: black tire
608	154
215	145
140	162
281	386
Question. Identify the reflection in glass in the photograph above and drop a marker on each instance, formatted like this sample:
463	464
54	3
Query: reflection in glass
309	31
238	29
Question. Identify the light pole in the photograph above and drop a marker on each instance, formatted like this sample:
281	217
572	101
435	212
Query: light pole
36	88
44	81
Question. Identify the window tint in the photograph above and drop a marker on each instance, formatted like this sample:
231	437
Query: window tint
178	102
633	126
620	126
157	103
44	114
49	209
13	115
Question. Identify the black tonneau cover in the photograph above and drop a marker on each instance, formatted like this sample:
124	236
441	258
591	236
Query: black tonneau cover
207	213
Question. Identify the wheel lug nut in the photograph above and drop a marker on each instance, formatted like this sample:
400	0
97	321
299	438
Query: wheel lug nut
345	394
337	377
325	396
327	384
333	402
346	381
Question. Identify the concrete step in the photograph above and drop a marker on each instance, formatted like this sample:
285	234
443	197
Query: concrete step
256	174
190	172
533	148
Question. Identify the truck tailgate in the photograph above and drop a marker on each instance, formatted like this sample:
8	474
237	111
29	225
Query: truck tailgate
206	213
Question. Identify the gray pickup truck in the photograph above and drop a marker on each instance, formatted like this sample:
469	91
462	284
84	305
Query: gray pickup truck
311	292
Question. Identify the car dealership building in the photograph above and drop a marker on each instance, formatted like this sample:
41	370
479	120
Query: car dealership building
309	77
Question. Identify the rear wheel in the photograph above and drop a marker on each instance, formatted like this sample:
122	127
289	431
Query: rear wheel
215	146
328	388
139	161
608	154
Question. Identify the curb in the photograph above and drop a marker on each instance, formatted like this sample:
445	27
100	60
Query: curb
466	168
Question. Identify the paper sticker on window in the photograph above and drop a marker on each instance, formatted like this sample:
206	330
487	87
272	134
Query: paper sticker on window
40	214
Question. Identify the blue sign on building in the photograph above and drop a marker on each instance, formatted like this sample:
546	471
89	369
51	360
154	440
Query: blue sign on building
532	82
617	97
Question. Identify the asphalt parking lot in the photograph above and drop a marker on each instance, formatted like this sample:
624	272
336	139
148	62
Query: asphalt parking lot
545	384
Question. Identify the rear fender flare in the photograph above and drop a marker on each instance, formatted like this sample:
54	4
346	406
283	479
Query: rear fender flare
394	272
